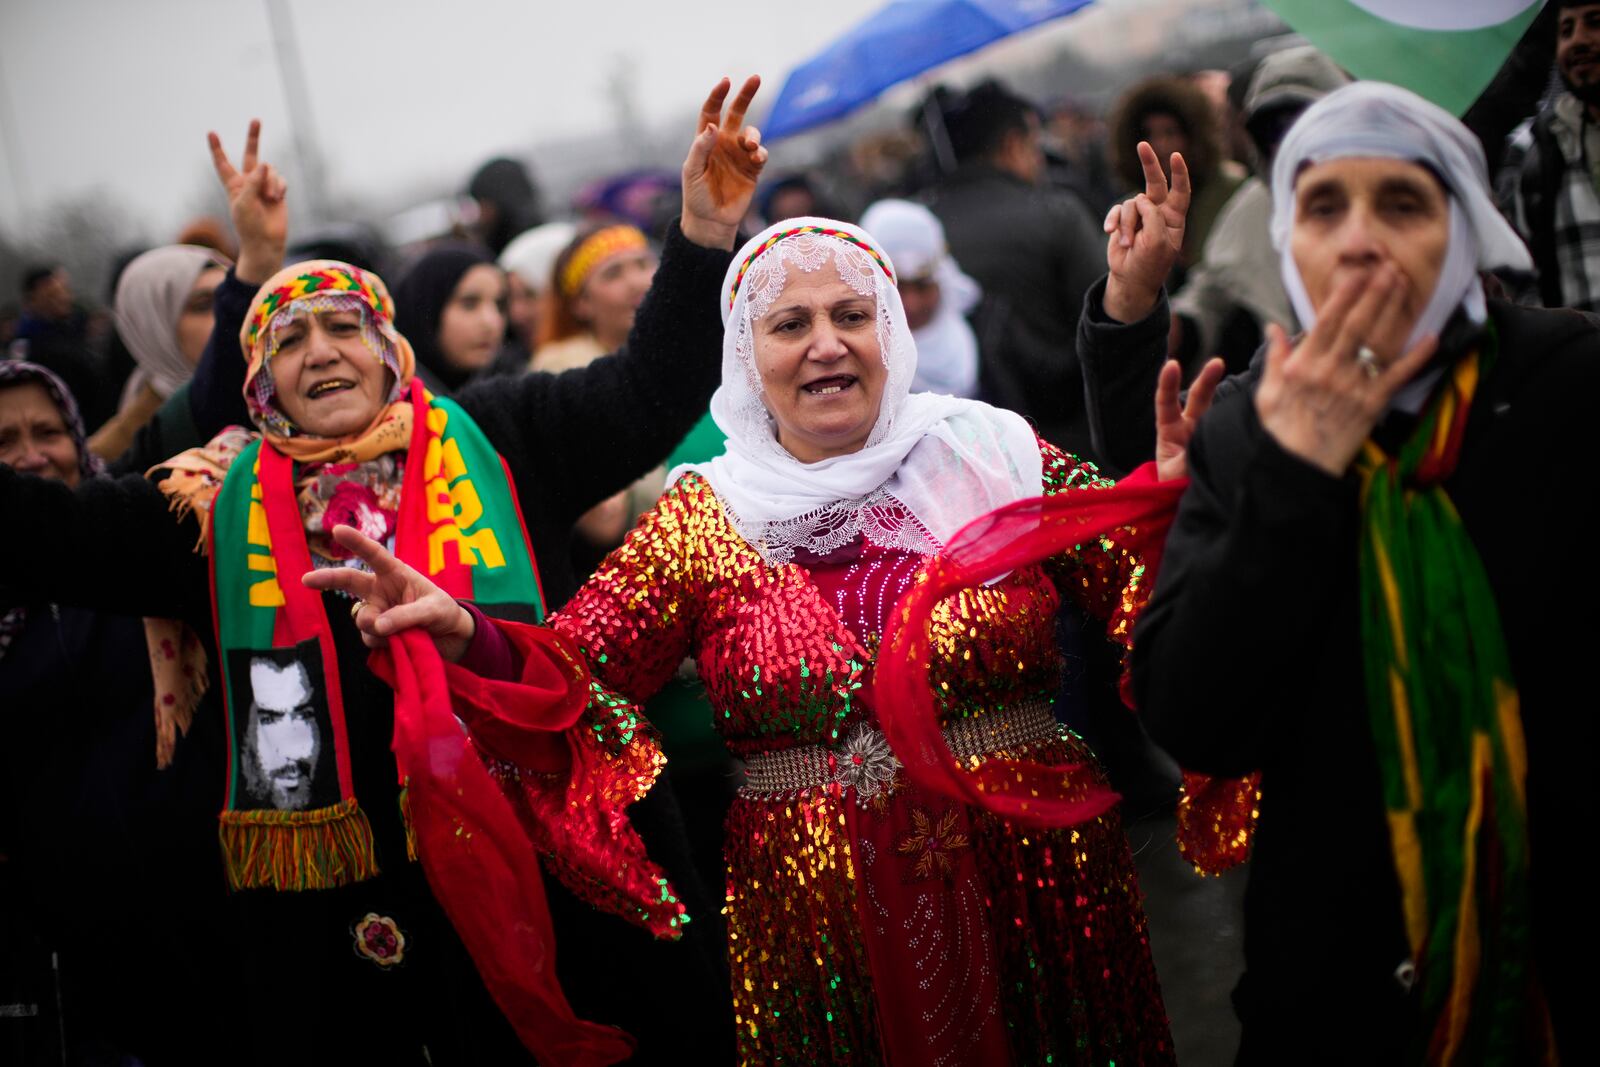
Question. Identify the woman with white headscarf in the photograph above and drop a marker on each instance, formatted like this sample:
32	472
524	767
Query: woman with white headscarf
527	261
1362	547
163	312
937	295
992	916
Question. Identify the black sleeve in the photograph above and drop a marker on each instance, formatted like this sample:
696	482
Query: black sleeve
587	433
1515	90
1250	571
216	392
1121	362
170	431
111	544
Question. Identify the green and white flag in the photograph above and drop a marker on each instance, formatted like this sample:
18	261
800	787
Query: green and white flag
1445	50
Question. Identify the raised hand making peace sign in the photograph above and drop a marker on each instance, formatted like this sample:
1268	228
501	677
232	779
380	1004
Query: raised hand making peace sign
720	173
257	205
1146	235
392	596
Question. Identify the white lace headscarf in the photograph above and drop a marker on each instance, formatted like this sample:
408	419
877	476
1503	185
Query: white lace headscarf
947	460
1375	119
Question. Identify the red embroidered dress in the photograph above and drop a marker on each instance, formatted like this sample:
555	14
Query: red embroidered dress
905	927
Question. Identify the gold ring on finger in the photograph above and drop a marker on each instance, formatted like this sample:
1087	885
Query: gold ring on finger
355	610
1367	359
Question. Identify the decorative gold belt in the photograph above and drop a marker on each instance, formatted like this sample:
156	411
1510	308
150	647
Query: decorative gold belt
865	763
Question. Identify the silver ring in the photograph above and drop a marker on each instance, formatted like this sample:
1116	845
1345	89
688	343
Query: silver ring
1368	361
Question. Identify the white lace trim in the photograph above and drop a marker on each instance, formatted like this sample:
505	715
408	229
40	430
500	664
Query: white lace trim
878	517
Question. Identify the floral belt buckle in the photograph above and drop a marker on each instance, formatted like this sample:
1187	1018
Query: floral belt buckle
866	764
378	938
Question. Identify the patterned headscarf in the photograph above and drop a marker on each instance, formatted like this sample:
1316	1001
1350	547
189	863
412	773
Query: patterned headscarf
318	285
15	372
314	286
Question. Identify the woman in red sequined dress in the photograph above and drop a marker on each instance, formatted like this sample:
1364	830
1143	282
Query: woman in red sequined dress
870	920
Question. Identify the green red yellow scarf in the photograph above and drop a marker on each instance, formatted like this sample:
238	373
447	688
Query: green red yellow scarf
291	819
1448	730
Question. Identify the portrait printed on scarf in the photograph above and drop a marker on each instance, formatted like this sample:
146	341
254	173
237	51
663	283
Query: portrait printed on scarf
284	732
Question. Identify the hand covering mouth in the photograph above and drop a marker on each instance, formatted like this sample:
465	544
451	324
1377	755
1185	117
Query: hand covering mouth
836	383
332	385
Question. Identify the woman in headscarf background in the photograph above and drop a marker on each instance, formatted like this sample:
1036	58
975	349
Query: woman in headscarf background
1360	529
937	296
453	302
316	830
872	919
163	314
596	286
82	806
527	261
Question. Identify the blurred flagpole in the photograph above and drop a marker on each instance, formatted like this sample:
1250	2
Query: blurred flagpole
13	152
313	195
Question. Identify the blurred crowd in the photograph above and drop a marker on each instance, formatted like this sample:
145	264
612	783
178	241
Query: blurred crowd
994	210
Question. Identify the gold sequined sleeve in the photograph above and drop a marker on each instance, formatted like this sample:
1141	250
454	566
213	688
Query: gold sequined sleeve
635	619
1100	576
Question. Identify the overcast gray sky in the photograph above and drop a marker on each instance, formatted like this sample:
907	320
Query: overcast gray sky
118	94
407	97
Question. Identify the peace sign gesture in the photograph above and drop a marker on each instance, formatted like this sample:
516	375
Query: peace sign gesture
257	205
1146	235
393	596
724	163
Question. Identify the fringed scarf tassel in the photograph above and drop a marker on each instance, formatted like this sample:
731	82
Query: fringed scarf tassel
297	850
405	820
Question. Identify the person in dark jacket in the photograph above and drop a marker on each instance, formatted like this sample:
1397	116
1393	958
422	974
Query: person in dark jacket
1352	604
54	332
508	201
81	805
1548	186
1032	249
363	947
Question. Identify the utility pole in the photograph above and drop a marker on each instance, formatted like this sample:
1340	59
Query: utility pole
13	152
292	75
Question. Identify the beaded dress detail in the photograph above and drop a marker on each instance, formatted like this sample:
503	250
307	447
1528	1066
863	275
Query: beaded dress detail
1002	943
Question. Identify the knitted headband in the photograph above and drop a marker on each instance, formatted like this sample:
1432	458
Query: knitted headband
305	279
595	250
824	231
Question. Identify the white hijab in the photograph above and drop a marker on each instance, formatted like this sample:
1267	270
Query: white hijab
945	459
531	255
1375	119
947	350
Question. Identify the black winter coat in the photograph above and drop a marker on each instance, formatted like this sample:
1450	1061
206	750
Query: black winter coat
1248	657
1035	251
